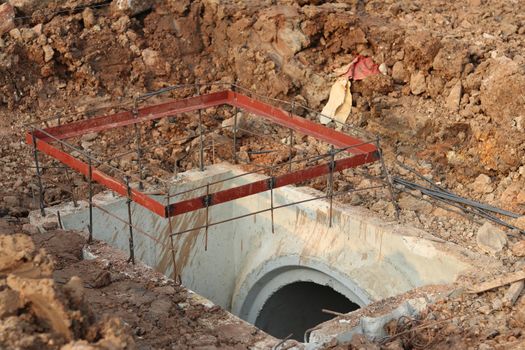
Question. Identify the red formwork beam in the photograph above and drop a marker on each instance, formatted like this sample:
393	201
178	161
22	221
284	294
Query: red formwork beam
361	152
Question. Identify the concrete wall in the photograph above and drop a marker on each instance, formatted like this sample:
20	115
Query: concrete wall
360	256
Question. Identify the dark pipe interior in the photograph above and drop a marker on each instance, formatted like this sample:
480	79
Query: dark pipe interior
296	307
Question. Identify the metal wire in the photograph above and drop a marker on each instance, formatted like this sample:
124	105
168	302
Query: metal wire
271	167
278	207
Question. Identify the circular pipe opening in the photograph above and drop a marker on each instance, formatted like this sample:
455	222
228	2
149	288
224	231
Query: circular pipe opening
296	307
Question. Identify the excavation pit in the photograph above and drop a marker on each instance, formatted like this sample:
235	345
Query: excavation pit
248	270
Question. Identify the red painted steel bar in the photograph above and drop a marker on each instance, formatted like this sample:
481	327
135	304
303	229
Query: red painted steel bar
98	176
101	123
224	196
362	152
299	124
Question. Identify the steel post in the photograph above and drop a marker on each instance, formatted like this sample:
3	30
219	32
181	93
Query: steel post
172	246
130	222
207	216
234	150
90	190
331	184
388	179
68	179
38	175
290	143
271	184
138	142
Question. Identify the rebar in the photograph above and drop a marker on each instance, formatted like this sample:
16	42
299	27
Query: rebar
331	184
201	136
170	227
138	142
388	179
128	202
38	175
234	147
90	179
277	207
207	200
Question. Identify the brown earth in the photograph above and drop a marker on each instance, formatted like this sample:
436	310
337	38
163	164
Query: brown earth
451	105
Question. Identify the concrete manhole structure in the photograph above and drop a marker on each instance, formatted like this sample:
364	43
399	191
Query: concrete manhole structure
280	281
273	254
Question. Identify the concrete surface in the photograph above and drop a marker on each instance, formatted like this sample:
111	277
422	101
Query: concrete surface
360	256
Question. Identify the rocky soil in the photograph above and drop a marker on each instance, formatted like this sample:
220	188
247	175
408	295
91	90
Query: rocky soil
450	105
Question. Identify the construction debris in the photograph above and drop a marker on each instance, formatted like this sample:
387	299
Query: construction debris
500	281
339	104
513	293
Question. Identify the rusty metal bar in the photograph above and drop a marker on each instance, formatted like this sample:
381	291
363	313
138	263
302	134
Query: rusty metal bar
271	184
128	202
262	185
137	229
98	176
234	150
299	124
170	227
59	219
331	184
38	174
138	142
362	152
277	207
207	202
386	174
201	136
290	150
290	143
310	160
144	114
66	169
90	190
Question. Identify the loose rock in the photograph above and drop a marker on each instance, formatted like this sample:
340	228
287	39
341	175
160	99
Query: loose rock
491	239
418	83
7	15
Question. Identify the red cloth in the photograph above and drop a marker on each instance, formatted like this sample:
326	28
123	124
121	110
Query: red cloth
361	67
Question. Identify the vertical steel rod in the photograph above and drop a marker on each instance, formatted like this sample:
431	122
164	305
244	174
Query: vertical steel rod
90	179
331	183
60	225
207	216
271	180
138	142
290	147
38	174
71	188
213	150
174	261
388	179
201	136
234	150
131	247
68	179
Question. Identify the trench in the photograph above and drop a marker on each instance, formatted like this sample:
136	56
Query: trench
278	281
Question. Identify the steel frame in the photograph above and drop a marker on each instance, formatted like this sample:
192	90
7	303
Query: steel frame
361	152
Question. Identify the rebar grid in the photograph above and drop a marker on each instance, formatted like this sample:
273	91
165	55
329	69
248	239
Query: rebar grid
136	138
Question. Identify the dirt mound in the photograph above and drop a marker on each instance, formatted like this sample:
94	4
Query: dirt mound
36	312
